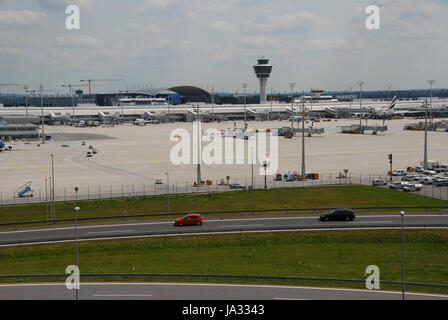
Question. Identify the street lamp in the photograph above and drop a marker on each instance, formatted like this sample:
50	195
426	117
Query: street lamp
360	83
41	88
168	185
245	119
76	209
76	193
431	82
53	203
425	151
402	254
292	85
265	165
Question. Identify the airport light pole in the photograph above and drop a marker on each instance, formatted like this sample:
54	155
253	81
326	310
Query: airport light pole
265	165
199	159
168	185
41	88
303	139
270	115
46	196
350	108
360	83
292	85
253	196
53	204
76	209
431	82
402	256
25	88
245	118
425	152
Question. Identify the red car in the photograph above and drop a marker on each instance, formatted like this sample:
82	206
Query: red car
189	219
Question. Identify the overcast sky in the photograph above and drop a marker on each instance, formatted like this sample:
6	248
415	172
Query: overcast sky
214	43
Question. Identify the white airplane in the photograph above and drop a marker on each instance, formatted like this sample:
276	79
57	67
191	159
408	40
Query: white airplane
386	112
140	122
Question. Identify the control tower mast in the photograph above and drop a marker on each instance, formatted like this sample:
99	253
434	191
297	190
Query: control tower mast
263	71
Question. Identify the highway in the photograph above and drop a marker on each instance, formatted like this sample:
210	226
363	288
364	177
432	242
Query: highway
215	224
192	291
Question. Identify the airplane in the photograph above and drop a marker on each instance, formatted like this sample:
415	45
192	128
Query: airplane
384	113
2	146
141	122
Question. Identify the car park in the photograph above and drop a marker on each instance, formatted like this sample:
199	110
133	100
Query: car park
189	220
338	214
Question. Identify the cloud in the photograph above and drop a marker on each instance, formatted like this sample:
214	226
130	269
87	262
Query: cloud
222	26
143	28
156	4
22	18
62	4
71	40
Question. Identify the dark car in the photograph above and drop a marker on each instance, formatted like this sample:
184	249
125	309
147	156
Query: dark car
189	219
338	214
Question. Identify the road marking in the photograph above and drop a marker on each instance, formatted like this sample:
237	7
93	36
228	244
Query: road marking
288	299
122	295
104	232
371	222
217	220
242	225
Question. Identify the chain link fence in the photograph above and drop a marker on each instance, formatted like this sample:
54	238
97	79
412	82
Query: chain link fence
101	192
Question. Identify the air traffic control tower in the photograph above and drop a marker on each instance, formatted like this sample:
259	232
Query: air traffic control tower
263	71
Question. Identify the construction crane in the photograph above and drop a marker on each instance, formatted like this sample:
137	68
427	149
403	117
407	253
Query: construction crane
98	80
69	86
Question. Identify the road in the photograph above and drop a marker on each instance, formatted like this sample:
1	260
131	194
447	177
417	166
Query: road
184	291
214	224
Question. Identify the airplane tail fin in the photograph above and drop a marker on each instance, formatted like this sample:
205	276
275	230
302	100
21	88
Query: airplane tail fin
393	103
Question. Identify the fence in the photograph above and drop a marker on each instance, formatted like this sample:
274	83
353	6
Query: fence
99	192
219	276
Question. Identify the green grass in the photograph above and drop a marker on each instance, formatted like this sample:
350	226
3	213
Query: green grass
308	197
337	254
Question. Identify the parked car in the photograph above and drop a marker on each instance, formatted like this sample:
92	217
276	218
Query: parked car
426	180
441	182
409	188
419	169
408	177
159	181
397	185
338	214
189	219
236	186
399	172
89	153
378	182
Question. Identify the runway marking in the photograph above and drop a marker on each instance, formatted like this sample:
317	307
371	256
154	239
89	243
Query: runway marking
371	222
288	299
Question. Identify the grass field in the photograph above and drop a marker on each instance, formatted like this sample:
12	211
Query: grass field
308	197
337	254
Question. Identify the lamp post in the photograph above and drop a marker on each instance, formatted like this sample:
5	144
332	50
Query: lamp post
402	255
350	108
425	151
76	193
76	209
41	88
390	162
270	115
245	118
265	165
53	204
360	83
25	88
431	82
303	139
168	185
292	85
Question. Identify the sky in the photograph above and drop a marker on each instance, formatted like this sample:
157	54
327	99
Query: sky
213	44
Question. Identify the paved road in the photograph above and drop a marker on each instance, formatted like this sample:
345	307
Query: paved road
215	224
184	291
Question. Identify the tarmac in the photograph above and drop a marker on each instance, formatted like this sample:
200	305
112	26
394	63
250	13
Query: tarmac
129	154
